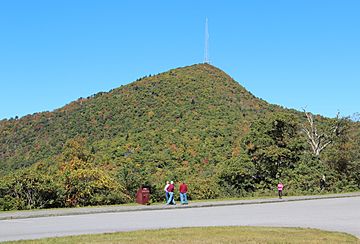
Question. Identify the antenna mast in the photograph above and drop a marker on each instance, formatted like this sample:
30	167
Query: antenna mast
206	51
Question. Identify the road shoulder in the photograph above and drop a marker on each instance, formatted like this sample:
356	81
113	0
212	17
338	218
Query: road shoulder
126	208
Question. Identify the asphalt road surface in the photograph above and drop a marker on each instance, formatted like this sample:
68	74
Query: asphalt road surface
341	214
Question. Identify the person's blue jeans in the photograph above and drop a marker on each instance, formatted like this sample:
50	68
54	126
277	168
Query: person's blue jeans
167	196
171	198
183	198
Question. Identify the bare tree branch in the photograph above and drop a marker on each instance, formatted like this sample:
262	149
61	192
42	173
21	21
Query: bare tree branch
318	142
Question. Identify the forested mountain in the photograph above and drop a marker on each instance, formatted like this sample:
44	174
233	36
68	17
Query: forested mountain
193	123
182	104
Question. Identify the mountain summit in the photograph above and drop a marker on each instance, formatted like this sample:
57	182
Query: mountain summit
189	103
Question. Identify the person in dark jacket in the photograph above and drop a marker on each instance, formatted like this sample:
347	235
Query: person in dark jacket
322	182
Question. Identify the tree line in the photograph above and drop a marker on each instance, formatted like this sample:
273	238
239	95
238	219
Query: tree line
277	148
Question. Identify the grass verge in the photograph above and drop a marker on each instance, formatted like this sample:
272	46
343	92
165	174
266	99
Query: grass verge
210	235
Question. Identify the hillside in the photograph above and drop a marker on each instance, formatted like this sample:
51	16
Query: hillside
186	104
193	123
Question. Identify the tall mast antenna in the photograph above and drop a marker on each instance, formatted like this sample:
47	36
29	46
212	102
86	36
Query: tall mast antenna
206	51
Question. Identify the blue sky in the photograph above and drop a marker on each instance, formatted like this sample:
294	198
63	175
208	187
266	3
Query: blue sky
299	53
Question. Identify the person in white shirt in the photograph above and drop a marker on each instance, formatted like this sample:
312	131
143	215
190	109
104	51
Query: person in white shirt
166	191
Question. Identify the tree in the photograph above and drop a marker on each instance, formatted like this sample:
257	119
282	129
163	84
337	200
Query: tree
273	144
237	175
319	140
85	183
130	175
28	189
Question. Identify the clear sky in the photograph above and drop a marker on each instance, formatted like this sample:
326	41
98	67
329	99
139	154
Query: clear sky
298	53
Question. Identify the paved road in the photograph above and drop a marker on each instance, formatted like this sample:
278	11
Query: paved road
341	214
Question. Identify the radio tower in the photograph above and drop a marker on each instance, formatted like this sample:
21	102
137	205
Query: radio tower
206	51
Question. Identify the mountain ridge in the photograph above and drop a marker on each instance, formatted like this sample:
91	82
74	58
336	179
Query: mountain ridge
221	87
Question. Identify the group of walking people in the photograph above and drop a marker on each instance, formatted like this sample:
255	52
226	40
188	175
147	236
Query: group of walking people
169	193
170	187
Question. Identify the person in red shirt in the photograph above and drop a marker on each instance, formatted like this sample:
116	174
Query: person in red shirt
183	191
170	190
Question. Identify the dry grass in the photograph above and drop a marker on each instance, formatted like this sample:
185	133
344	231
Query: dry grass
211	235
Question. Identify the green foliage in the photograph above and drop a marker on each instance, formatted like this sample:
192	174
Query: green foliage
305	177
192	108
273	145
193	123
236	176
27	189
84	183
354	169
203	188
